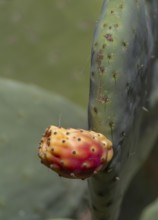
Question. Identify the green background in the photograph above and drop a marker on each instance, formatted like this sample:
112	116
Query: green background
48	43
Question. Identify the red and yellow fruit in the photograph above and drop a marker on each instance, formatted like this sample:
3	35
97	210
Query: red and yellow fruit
74	153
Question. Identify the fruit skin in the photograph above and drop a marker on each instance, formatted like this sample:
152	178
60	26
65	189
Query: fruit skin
74	153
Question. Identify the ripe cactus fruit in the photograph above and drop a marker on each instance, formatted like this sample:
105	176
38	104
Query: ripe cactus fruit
74	153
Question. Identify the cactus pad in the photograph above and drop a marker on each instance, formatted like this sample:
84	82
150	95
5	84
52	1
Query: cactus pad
25	188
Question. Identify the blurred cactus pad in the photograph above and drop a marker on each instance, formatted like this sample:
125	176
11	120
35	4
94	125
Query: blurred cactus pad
48	43
27	190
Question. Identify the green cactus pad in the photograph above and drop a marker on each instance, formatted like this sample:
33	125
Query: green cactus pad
120	104
119	59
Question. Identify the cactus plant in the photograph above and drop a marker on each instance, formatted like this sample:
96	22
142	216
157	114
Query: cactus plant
120	106
123	97
143	188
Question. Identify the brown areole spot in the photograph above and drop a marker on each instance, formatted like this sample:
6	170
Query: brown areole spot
48	133
109	37
99	57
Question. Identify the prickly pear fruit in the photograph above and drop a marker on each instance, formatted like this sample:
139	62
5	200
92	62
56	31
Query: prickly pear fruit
74	153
